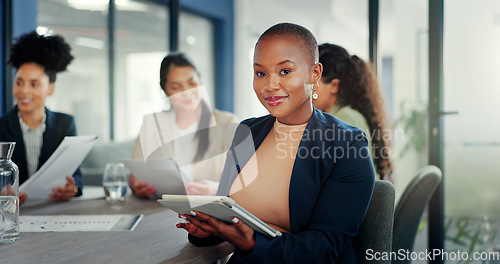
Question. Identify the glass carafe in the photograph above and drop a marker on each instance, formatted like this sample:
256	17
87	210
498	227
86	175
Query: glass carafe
9	193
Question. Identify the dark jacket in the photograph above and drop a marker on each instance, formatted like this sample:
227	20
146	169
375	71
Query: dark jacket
330	189
58	125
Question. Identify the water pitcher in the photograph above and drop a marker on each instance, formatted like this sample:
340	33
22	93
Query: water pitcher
9	193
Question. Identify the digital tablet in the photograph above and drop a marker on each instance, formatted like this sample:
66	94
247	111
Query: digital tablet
163	173
221	207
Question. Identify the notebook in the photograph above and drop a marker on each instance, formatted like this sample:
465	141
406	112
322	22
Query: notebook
221	207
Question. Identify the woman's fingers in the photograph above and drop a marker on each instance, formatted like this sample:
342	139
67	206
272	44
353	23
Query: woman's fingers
65	193
143	190
237	233
201	223
192	229
22	197
240	226
205	187
70	181
196	188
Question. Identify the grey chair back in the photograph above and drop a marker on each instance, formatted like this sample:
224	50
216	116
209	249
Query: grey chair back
375	233
411	206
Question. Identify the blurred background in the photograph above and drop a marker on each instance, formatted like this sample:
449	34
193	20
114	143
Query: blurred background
118	47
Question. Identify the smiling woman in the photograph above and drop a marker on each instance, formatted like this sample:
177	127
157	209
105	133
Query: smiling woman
284	78
37	130
317	201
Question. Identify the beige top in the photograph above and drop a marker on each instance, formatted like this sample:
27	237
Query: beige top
158	138
262	187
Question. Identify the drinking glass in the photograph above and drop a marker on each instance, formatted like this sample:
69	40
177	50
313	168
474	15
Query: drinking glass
115	181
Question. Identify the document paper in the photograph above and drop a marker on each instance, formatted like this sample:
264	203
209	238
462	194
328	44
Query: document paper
75	223
64	161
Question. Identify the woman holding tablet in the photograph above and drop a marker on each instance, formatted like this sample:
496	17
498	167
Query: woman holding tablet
311	175
191	133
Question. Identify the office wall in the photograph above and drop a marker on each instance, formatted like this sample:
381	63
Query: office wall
24	14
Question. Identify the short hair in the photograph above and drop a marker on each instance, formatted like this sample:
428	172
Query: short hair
50	52
307	39
174	58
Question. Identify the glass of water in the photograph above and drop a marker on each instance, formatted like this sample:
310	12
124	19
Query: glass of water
115	181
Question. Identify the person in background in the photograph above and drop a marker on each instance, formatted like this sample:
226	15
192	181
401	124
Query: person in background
350	91
36	130
199	136
311	176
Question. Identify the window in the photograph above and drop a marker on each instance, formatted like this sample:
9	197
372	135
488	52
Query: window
197	40
83	90
403	74
471	147
141	42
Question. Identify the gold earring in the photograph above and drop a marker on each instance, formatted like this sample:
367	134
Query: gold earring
314	95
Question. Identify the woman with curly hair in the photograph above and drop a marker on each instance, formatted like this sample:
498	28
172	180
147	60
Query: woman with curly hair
36	130
349	90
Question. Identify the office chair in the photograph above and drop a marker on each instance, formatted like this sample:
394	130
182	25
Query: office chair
375	233
410	208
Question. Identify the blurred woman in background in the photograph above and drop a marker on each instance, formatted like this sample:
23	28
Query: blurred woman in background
191	133
350	91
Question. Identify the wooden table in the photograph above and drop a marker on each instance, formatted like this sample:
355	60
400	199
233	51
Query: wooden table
154	240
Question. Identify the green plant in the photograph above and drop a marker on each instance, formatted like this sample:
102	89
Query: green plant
413	121
469	235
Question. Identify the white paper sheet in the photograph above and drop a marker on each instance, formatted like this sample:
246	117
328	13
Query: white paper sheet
163	174
76	223
64	161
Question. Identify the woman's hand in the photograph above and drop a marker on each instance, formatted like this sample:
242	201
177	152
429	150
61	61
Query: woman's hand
205	187
9	191
22	197
65	193
140	188
238	233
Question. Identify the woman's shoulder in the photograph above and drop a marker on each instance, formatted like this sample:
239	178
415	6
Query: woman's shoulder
351	116
335	126
256	121
225	117
60	117
163	113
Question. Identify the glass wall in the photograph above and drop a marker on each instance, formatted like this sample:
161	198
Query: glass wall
141	42
403	73
83	90
196	38
472	145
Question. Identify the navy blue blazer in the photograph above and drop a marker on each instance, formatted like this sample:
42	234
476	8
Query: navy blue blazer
330	189
57	126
